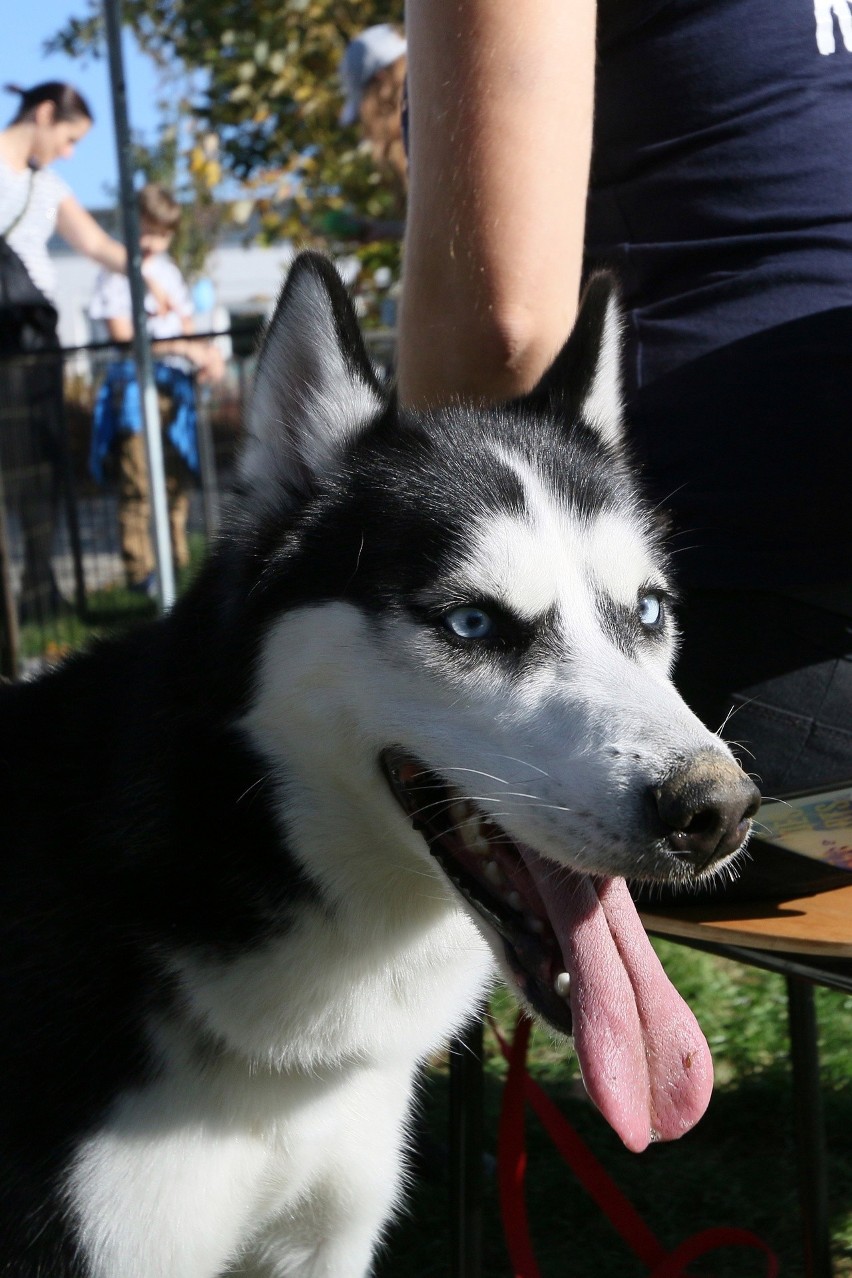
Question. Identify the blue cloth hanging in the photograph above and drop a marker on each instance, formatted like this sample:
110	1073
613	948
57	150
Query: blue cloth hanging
118	409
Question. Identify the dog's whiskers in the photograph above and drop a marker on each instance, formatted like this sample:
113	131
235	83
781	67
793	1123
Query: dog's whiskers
447	802
738	745
477	772
510	758
735	709
255	785
538	804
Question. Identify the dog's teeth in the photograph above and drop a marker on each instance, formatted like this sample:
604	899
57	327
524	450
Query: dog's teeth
459	812
534	924
465	819
473	839
514	900
494	874
562	985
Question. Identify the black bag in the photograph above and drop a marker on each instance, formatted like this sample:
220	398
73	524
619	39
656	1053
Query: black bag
27	319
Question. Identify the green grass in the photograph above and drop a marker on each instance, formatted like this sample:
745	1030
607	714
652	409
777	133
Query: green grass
108	610
737	1167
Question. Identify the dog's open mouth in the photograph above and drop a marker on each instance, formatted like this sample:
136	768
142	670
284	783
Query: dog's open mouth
578	954
489	870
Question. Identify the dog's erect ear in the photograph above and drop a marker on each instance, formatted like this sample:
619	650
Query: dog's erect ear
314	390
584	381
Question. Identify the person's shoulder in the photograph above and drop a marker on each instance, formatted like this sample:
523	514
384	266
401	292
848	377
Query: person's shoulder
55	187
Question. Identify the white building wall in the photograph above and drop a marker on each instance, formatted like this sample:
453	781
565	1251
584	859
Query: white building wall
246	281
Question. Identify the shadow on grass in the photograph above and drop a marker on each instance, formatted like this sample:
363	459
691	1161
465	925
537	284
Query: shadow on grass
106	613
109	610
737	1168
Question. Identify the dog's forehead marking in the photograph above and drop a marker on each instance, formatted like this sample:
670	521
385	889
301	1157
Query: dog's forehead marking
550	555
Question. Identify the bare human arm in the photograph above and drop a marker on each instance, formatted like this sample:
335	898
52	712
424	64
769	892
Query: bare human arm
79	229
204	355
501	101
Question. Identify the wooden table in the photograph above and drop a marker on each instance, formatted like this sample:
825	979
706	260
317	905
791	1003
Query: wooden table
806	939
818	926
809	941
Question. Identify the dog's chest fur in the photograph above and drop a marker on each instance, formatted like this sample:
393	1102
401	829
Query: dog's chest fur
280	1110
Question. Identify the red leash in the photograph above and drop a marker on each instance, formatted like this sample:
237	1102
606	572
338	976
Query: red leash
511	1166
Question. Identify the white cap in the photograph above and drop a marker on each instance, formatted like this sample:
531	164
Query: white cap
366	55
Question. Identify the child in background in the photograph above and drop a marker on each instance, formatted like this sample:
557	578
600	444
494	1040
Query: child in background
118	413
372	73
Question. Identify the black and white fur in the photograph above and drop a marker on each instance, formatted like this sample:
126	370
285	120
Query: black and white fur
225	950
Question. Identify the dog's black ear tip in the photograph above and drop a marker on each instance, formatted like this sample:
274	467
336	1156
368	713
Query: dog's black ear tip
310	267
584	381
312	260
311	289
601	300
603	281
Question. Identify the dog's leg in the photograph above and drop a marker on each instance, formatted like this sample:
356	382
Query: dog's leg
333	1229
334	1233
282	1255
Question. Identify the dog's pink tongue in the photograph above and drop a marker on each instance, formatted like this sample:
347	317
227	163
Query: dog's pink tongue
645	1062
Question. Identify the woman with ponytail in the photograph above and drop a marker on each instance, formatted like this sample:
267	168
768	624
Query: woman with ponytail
34	202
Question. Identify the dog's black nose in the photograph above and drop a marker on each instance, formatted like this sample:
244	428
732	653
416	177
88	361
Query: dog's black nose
706	808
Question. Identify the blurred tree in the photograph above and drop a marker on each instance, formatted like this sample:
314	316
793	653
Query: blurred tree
267	106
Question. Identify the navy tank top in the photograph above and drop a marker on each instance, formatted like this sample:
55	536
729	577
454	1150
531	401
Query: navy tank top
721	193
722	173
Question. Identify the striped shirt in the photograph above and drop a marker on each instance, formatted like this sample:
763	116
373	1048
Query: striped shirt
29	238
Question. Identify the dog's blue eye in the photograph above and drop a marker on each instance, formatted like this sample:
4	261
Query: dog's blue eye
650	610
469	623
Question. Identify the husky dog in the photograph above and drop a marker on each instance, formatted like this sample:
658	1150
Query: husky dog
411	726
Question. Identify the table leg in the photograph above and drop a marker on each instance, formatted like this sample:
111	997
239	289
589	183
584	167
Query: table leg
809	1128
465	1144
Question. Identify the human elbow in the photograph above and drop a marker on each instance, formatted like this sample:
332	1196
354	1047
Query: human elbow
517	348
486	353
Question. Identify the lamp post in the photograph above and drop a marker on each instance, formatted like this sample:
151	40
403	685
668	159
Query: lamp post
141	344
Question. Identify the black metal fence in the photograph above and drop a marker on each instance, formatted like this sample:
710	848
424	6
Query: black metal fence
62	571
61	567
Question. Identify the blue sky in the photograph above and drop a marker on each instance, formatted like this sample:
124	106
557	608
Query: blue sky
26	25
